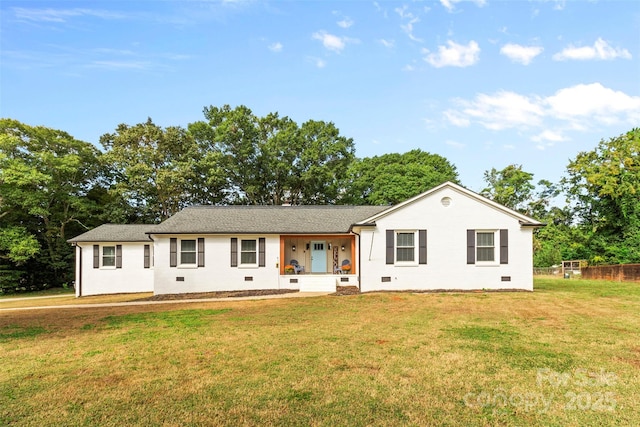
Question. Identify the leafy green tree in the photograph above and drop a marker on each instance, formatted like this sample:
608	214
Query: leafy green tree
157	171
511	187
17	244
604	186
270	160
393	178
45	175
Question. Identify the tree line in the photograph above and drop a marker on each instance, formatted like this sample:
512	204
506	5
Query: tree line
53	186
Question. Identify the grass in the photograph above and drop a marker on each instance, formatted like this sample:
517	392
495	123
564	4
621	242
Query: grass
41	293
566	354
70	299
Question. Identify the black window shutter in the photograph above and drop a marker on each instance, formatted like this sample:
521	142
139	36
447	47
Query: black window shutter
504	246
234	252
422	246
261	254
96	256
200	251
147	256
118	256
471	246
390	246
173	252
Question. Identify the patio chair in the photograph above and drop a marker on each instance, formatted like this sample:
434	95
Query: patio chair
297	268
344	270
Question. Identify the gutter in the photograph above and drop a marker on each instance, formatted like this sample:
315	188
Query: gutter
532	224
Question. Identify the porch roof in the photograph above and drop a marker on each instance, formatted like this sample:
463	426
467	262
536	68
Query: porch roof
265	219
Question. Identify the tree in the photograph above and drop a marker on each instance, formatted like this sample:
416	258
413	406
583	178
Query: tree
157	171
45	175
17	244
392	178
270	160
510	187
604	186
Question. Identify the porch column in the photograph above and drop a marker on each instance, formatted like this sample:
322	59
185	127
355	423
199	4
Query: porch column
282	262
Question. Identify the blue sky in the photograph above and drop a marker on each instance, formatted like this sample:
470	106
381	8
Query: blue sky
483	83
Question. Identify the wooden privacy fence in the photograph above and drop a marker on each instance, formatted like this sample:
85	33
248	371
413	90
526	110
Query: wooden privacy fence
621	272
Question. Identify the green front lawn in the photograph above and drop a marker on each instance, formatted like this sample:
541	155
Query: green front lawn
566	354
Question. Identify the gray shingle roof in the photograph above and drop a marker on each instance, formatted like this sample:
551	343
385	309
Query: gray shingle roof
116	233
265	219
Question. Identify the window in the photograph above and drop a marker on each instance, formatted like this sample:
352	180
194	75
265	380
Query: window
252	252
108	256
485	246
248	252
482	247
401	248
147	256
187	252
405	247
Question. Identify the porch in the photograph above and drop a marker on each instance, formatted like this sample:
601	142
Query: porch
317	282
317	254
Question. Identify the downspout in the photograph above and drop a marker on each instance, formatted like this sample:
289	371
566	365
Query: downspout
359	261
79	284
153	261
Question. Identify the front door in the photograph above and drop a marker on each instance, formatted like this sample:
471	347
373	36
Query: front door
318	257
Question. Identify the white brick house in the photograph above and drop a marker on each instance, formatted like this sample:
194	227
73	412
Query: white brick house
447	238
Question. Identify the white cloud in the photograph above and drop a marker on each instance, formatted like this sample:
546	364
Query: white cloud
409	20
500	111
387	43
345	23
521	54
318	62
120	65
456	119
549	135
579	108
61	15
275	47
333	42
455	55
584	103
601	50
450	5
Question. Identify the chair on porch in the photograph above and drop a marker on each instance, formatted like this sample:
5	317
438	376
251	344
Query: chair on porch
345	267
297	268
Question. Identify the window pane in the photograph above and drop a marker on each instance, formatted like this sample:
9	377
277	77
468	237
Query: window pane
404	254
248	258
485	239
187	252
187	258
248	245
485	254
188	245
405	239
248	254
108	256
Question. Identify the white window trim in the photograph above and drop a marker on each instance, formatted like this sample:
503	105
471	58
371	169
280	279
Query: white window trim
179	255
413	263
496	249
107	267
248	265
